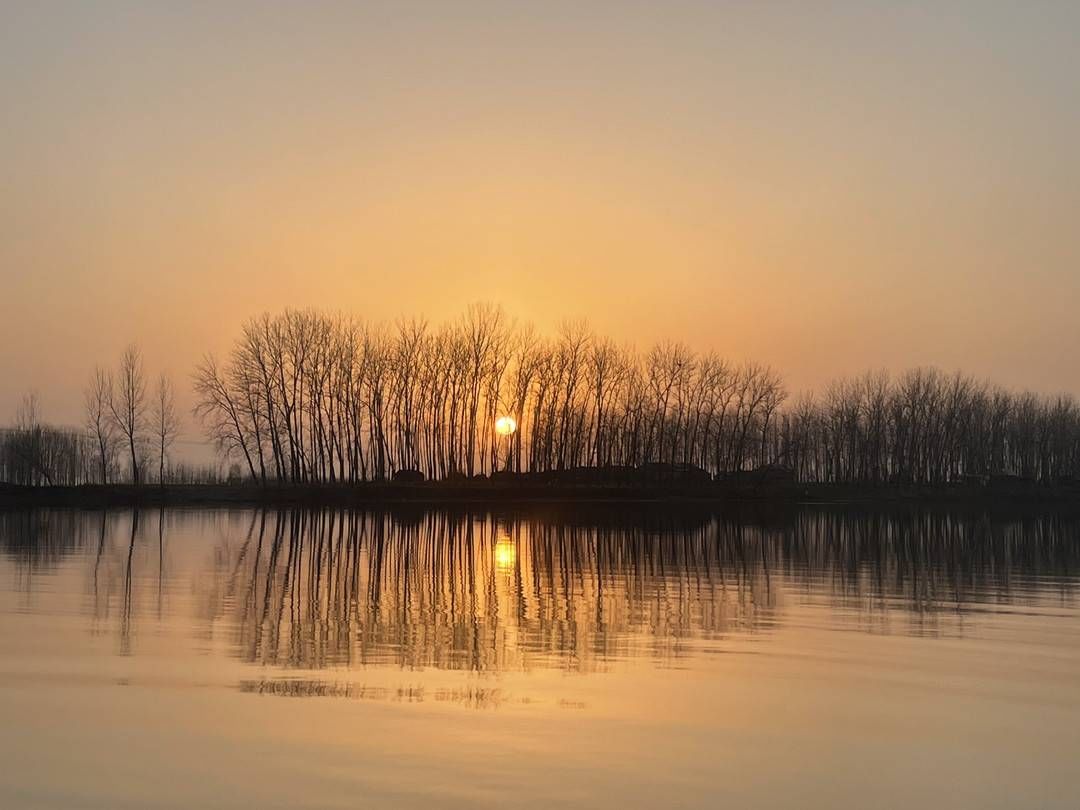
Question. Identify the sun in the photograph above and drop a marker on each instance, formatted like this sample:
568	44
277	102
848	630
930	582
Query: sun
505	425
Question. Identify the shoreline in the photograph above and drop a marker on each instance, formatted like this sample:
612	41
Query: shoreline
488	493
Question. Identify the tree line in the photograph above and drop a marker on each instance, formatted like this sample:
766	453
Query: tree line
928	427
309	397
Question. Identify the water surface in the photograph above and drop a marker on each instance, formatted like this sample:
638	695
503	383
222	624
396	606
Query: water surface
816	658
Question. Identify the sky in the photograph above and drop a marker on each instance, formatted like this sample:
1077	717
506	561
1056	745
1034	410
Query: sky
824	187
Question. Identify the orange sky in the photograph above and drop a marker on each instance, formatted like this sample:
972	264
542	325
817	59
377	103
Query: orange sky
824	187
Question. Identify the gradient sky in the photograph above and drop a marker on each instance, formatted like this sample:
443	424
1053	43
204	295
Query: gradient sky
825	187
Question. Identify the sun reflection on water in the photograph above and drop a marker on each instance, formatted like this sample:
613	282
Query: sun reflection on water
505	554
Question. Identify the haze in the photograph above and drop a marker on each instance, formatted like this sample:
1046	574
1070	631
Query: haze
822	187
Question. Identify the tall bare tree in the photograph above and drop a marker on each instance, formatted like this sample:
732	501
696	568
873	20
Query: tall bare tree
166	422
127	403
99	420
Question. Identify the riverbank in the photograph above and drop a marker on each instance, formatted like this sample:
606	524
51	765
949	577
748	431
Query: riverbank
509	492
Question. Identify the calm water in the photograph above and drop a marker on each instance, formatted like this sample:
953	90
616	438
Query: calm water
812	659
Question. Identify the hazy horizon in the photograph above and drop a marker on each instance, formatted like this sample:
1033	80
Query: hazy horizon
825	190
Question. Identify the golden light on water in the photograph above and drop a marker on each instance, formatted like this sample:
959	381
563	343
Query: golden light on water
505	553
505	425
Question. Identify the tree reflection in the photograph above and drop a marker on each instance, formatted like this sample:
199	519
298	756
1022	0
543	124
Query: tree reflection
463	590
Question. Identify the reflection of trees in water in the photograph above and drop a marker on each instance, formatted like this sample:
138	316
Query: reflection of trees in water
314	589
933	565
39	540
120	546
471	591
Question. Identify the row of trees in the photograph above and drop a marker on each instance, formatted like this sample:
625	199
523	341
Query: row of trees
927	427
127	432
34	454
305	397
308	397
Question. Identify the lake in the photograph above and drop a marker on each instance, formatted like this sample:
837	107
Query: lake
625	657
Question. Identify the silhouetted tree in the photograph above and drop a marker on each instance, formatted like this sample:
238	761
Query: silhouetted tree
166	422
99	419
127	403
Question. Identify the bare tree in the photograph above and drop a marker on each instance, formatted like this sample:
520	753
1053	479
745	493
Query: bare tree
127	403
166	422
99	419
27	417
222	417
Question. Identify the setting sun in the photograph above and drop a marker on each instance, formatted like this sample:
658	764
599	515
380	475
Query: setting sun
505	425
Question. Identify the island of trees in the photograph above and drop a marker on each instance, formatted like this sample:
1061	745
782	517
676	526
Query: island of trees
310	398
